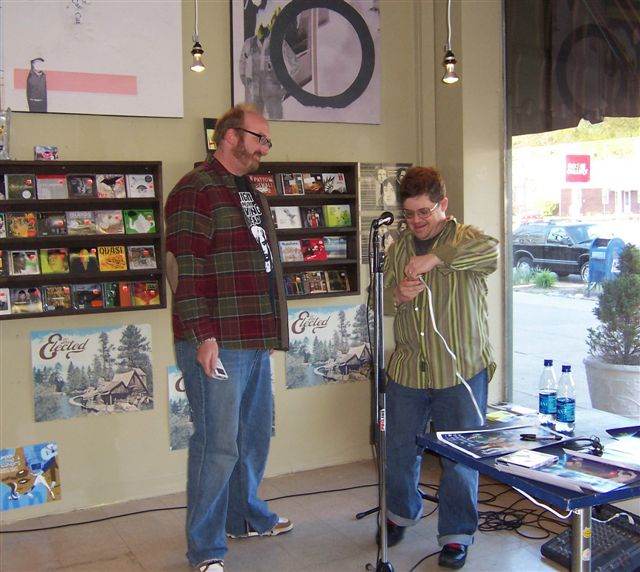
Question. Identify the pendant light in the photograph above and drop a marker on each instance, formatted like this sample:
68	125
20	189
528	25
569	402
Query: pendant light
197	52
449	63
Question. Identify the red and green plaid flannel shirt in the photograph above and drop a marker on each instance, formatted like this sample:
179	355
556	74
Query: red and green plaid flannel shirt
223	288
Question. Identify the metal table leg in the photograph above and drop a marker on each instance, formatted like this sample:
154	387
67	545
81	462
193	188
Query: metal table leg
581	540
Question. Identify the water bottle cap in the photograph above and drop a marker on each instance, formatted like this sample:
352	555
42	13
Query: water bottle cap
548	362
566	369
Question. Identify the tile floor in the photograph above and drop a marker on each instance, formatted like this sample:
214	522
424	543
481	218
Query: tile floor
326	536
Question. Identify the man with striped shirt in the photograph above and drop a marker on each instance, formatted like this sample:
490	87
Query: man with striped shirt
229	308
435	281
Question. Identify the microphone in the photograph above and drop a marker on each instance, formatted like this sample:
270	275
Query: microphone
386	218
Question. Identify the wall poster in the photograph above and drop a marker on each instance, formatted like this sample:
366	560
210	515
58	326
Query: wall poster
379	184
102	58
91	371
308	60
29	476
180	424
328	345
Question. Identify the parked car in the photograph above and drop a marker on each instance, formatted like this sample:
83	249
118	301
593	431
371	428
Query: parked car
560	247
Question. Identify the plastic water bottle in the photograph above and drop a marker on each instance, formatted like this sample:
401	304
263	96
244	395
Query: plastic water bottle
547	395
566	402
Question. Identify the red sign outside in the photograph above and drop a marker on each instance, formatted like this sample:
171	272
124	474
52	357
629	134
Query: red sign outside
578	169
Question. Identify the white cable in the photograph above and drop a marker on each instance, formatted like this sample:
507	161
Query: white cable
449	25
618	514
453	356
534	501
196	36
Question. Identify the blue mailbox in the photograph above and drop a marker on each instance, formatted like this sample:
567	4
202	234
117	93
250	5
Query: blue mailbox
603	259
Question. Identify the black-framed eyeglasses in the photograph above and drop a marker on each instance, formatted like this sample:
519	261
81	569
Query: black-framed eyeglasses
262	139
422	213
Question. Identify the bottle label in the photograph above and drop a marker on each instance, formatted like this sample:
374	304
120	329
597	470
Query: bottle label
547	403
566	411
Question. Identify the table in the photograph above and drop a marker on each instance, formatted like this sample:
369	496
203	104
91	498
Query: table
588	422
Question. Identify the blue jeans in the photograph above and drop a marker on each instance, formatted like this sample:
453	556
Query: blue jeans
228	450
408	413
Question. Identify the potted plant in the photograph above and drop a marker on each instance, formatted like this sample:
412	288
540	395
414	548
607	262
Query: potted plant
613	365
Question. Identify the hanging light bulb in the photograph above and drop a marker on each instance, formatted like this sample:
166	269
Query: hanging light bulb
449	62
197	52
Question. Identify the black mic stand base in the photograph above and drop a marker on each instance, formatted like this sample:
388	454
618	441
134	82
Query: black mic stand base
380	567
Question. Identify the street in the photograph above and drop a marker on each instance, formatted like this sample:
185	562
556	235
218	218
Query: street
549	326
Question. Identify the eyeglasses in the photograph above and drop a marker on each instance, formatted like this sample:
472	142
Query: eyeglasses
422	213
262	139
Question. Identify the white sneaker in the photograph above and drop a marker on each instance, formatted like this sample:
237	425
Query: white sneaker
283	525
215	566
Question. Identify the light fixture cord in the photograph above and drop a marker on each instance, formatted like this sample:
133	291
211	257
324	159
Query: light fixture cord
448	46
196	37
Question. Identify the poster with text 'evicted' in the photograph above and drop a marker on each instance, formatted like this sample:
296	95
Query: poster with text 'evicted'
91	371
328	345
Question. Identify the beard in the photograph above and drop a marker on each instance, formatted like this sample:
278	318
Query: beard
250	161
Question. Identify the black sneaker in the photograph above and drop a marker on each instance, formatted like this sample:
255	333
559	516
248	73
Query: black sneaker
395	533
453	556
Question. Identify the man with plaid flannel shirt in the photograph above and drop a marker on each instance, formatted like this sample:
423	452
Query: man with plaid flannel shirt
229	312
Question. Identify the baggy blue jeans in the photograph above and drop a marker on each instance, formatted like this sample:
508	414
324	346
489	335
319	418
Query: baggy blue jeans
228	450
408	413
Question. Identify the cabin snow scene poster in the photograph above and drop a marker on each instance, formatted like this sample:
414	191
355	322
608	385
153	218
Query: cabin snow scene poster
328	345
91	371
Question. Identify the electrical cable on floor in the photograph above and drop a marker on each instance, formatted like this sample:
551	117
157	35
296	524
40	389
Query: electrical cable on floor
415	566
177	508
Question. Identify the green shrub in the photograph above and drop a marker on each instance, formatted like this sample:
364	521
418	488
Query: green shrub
617	339
521	276
544	278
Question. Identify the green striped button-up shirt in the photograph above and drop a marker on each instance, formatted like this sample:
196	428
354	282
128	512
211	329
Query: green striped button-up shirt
459	290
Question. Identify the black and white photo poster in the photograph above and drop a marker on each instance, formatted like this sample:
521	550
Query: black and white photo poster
308	60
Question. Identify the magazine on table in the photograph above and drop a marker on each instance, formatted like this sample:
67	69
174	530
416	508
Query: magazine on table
528	458
624	452
480	443
576	472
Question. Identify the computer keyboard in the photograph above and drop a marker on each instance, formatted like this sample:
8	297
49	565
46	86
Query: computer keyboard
615	546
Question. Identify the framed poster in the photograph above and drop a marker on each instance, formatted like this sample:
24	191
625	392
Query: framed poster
379	184
91	371
180	424
209	134
102	58
308	60
29	475
328	345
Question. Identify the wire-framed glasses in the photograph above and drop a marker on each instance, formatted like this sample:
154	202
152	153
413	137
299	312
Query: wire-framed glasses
422	213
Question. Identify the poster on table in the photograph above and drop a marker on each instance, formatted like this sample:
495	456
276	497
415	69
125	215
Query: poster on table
180	424
102	58
91	371
308	60
29	475
379	184
327	345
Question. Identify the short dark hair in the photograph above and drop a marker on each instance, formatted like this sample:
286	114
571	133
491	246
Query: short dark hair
422	181
232	119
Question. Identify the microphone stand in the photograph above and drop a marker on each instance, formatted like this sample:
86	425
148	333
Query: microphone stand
380	383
